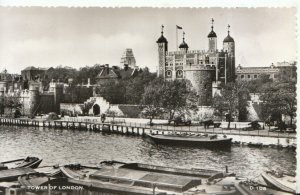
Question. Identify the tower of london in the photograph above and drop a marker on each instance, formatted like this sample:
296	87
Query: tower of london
207	69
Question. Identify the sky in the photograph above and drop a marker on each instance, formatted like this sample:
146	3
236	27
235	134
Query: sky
77	37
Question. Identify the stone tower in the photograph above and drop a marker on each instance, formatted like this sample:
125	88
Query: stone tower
183	46
212	38
58	92
229	47
34	99
162	51
202	78
128	58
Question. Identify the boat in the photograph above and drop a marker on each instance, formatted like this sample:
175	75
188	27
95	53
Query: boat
145	179
193	140
280	181
37	182
13	174
28	162
248	187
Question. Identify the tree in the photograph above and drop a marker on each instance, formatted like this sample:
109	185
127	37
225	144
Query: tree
85	107
279	98
2	105
174	97
136	85
113	91
229	100
218	103
62	74
111	113
12	102
151	99
178	97
256	85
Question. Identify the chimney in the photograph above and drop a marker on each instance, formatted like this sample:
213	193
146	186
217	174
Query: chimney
107	68
89	82
125	67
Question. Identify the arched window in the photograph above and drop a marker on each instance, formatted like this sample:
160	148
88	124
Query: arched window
179	74
168	73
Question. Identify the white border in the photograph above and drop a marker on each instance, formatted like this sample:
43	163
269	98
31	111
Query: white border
180	3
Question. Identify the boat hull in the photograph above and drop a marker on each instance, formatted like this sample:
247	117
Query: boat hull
275	184
202	143
28	162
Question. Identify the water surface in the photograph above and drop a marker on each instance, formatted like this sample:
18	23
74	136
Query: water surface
69	146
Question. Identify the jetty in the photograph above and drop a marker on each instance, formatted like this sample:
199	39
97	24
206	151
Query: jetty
240	136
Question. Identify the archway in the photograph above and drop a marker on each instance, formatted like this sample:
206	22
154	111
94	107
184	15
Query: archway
96	109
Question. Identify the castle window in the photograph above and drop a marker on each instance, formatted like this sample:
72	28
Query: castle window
179	73
242	76
249	76
169	73
255	76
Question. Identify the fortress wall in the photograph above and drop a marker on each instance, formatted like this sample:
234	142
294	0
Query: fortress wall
46	104
70	108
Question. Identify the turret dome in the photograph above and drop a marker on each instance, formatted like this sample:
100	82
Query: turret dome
212	34
162	39
228	39
183	45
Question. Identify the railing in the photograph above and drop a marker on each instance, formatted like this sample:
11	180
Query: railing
237	128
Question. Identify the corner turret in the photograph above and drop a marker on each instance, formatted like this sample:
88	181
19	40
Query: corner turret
228	43
229	48
212	38
183	46
162	51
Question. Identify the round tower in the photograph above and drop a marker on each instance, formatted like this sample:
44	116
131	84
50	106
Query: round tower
34	100
162	52
202	80
228	44
212	38
183	46
229	48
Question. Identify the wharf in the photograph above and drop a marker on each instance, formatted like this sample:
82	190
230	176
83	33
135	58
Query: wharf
140	129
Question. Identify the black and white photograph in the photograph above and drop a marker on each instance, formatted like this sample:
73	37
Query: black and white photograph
148	100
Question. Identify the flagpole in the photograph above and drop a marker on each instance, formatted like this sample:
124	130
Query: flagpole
176	38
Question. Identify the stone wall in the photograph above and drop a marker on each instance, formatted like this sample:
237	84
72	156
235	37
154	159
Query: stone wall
47	104
68	108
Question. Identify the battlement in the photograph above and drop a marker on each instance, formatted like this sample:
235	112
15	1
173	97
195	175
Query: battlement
196	51
56	85
47	93
202	52
200	67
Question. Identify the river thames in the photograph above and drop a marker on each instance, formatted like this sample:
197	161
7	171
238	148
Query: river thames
89	148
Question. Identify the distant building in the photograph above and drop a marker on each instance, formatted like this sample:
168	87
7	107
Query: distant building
128	58
32	73
128	68
282	69
115	72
